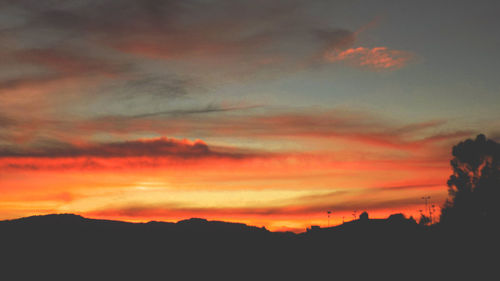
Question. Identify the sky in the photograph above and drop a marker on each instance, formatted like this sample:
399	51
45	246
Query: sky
269	113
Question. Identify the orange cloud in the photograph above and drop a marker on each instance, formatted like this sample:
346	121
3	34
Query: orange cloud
374	58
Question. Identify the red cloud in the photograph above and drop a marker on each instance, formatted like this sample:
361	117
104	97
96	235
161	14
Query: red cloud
375	58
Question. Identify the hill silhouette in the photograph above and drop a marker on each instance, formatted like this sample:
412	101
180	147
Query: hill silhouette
69	247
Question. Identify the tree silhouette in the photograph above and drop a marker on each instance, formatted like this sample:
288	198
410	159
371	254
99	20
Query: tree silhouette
364	216
475	183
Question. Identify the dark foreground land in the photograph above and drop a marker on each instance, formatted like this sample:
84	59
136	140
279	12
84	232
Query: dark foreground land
70	247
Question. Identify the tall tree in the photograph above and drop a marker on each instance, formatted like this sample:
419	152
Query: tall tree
474	186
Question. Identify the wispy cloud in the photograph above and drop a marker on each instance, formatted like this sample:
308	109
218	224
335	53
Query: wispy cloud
377	58
361	127
211	108
254	123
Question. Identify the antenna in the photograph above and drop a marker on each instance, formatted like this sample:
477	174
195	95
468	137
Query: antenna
433	210
427	207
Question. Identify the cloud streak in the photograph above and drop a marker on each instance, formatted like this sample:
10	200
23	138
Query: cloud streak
377	58
211	108
158	147
291	211
359	127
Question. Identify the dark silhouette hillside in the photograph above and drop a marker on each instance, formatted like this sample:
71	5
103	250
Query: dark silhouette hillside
70	247
65	245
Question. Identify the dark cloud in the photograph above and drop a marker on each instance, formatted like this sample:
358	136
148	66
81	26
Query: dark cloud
176	29
211	108
160	147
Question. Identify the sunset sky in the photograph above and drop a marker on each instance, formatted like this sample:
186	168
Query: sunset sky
268	113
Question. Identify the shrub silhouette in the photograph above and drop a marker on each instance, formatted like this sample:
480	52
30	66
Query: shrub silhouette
475	183
424	220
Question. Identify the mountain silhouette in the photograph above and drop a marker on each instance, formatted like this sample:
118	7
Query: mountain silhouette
69	247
